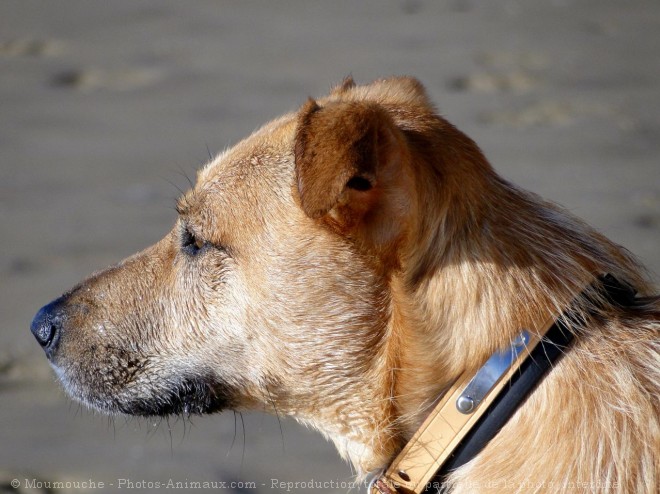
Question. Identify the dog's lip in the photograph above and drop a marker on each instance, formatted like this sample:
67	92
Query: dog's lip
189	396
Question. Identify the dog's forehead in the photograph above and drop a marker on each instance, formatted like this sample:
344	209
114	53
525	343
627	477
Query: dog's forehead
261	155
245	183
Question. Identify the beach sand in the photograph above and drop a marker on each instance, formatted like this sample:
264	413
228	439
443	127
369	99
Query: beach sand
106	107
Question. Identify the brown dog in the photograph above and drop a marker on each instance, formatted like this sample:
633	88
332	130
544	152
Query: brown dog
343	265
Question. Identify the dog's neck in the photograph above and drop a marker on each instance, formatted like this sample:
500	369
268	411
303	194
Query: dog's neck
483	277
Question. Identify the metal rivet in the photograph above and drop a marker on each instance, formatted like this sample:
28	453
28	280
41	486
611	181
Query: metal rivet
465	404
520	340
404	475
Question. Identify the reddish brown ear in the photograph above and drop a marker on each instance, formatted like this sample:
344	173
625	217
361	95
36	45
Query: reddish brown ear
341	146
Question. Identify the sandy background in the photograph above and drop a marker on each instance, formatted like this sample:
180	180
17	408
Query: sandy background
104	106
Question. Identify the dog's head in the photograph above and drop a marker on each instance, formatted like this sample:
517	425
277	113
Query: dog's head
274	289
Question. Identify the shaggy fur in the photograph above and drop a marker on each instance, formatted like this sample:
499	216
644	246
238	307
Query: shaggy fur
344	265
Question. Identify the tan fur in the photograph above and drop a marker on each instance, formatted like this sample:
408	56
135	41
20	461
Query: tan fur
356	257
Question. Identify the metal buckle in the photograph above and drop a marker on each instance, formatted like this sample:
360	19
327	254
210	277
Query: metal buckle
378	485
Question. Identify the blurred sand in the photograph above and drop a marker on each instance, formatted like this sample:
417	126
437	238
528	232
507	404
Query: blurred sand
105	105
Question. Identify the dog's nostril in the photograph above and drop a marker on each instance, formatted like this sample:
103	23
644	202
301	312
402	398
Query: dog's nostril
44	333
46	326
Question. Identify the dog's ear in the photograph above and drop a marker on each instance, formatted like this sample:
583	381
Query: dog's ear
348	157
337	148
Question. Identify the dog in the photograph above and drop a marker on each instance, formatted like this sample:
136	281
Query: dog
343	265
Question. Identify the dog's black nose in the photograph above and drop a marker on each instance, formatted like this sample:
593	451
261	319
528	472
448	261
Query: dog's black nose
47	326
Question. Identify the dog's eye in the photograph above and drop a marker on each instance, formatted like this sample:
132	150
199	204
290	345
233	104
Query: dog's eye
190	243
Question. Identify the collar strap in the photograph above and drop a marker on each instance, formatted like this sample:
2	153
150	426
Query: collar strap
478	405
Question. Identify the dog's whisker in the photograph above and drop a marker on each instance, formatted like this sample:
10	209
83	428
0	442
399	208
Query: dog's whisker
173	184
233	439
277	414
184	174
240	414
208	151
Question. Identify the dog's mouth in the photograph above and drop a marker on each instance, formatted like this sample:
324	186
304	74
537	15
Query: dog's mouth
159	398
189	396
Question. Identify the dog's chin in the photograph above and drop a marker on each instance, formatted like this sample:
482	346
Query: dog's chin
182	396
190	396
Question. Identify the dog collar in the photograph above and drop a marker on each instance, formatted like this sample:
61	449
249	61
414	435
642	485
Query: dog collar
478	405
